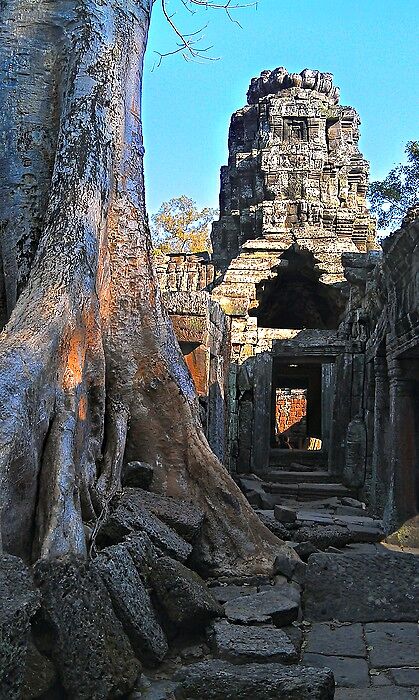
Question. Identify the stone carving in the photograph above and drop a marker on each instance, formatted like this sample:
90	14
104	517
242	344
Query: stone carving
272	82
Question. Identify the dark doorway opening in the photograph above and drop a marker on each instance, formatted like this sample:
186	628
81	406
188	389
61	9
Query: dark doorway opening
296	407
296	299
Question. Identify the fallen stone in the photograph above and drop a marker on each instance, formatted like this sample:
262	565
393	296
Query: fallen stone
323	536
182	516
295	634
268	519
352	502
334	639
137	474
407	677
143	552
291	567
265	607
132	603
183	595
220	680
290	590
245	644
285	515
355	588
92	653
305	550
348	672
40	674
225	593
129	516
393	644
19	601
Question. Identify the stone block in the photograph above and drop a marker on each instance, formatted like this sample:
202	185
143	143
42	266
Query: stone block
183	595
356	588
334	639
245	644
393	644
92	653
40	675
407	677
143	553
226	593
348	672
128	516
19	601
291	567
132	603
182	516
284	514
264	607
220	680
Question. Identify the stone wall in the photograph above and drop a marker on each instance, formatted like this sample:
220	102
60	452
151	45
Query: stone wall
383	379
291	412
203	331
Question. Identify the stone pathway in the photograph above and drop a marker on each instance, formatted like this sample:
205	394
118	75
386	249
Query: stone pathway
369	596
348	608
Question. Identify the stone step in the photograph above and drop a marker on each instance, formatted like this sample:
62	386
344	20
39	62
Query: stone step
307	491
286	477
296	459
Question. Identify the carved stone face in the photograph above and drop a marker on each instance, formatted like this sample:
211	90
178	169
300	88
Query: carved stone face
278	78
296	79
309	78
327	82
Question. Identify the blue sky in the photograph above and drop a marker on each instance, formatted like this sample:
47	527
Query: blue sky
371	47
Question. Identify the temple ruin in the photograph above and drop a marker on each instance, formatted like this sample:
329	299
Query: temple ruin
300	336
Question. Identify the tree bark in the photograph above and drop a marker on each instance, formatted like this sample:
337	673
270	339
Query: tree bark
90	369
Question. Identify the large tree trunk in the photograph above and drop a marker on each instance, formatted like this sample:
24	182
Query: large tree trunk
89	366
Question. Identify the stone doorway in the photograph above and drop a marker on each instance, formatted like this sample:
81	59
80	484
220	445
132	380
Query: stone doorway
296	406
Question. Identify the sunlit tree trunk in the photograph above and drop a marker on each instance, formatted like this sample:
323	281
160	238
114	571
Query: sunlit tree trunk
89	367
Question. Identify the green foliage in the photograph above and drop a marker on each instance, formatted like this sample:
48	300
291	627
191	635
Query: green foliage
180	227
391	198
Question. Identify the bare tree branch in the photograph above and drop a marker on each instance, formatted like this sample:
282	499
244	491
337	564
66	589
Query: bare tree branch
187	45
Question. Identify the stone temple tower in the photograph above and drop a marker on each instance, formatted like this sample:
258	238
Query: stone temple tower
260	323
295	183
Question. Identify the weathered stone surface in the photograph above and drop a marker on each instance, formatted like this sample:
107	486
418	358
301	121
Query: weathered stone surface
285	515
132	603
386	693
265	607
292	568
92	653
129	516
407	677
137	474
182	516
305	550
220	680
40	674
19	601
246	644
393	644
144	554
348	672
360	589
225	593
336	640
183	594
